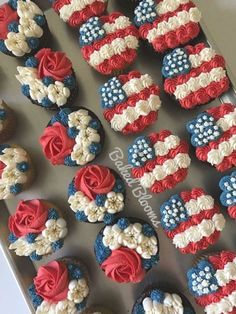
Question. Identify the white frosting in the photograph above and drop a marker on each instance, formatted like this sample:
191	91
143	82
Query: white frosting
137	85
75	5
116	47
225	149
131	114
173	23
197	232
16	43
120	23
169	167
227	121
224	306
62	307
202	203
162	148
205	55
78	290
228	273
195	83
167	6
172	304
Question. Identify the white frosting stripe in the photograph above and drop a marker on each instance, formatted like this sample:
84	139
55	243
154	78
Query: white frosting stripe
136	85
122	22
228	121
228	273
116	47
205	55
131	114
169	167
173	23
195	233
225	305
162	148
201	81
167	6
225	149
195	206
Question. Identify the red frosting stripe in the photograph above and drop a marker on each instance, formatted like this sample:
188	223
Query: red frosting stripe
232	209
7	15
192	194
141	123
58	4
221	111
220	260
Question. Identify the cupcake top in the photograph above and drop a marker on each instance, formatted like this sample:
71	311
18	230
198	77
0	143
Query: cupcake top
96	194
48	79
22	25
36	229
192	220
159	161
15	169
167	24
130	102
127	249
228	195
109	43
194	75
213	133
60	286
72	138
157	301
212	281
77	12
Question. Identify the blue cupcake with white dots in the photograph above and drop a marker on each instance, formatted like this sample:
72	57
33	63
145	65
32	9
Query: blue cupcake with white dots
228	195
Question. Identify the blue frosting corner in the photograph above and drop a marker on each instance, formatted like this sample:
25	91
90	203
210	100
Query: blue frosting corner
157	295
176	63
91	31
140	151
145	12
72	189
112	93
101	252
228	186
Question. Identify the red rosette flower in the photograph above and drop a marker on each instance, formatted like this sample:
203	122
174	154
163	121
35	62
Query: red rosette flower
7	15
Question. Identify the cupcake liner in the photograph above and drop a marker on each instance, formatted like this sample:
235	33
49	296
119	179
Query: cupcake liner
9	124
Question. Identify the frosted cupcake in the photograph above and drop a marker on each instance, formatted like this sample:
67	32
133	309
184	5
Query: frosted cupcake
228	195
7	122
23	28
127	249
48	79
192	220
167	24
194	75
72	138
212	281
16	170
130	102
36	229
213	134
109	43
160	161
60	287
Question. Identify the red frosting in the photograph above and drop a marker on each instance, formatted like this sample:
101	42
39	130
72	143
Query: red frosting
2	167
30	217
56	143
53	64
93	180
52	281
7	15
124	265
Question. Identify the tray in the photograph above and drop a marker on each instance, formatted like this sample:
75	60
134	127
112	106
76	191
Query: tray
51	182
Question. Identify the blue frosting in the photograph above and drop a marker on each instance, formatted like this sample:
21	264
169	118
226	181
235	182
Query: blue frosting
32	62
119	186
157	295
82	305
176	63
3	47
112	93
101	252
30	237
64	113
33	42
91	31
123	223
228	187
57	245
145	12
95	124
13	27
148	230
37	300
203	130
3	114
32	291
12	238
48	80
71	189
100	199
69	162
25	90
140	151
95	148
35	257
138	309
53	214
173	212
72	132
108	218
75	272
23	166
46	102
16	188
149	263
70	82
80	215
13	4
40	19
2	147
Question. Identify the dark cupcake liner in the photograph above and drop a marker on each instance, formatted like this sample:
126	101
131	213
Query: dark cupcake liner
9	125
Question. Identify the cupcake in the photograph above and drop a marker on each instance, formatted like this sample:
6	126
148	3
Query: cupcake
212	281
23	28
127	249
160	161
194	75
77	12
72	138
130	102
158	301
60	287
48	79
228	195
36	229
213	134
16	170
96	194
167	24
97	309
109	43
7	122
192	220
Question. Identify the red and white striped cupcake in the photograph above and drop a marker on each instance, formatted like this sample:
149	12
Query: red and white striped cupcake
167	24
109	43
131	102
213	283
76	12
213	133
160	161
194	75
192	220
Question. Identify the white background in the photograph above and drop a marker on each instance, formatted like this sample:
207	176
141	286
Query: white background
219	17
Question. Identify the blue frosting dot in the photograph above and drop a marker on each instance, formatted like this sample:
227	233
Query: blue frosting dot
101	252
13	4
70	82
95	148
141	151
80	215
32	62
149	263
25	90
3	47
145	12
32	291
12	238
95	124
3	114
53	214
32	42
16	188
100	199
57	245
157	295
46	102
139	309
123	223
64	115
2	147
148	230
23	166
75	272
71	189
112	93
91	31
40	20
48	80
13	27
35	257
55	118
119	186
30	238
108	218
81	306
69	162
37	300
72	132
